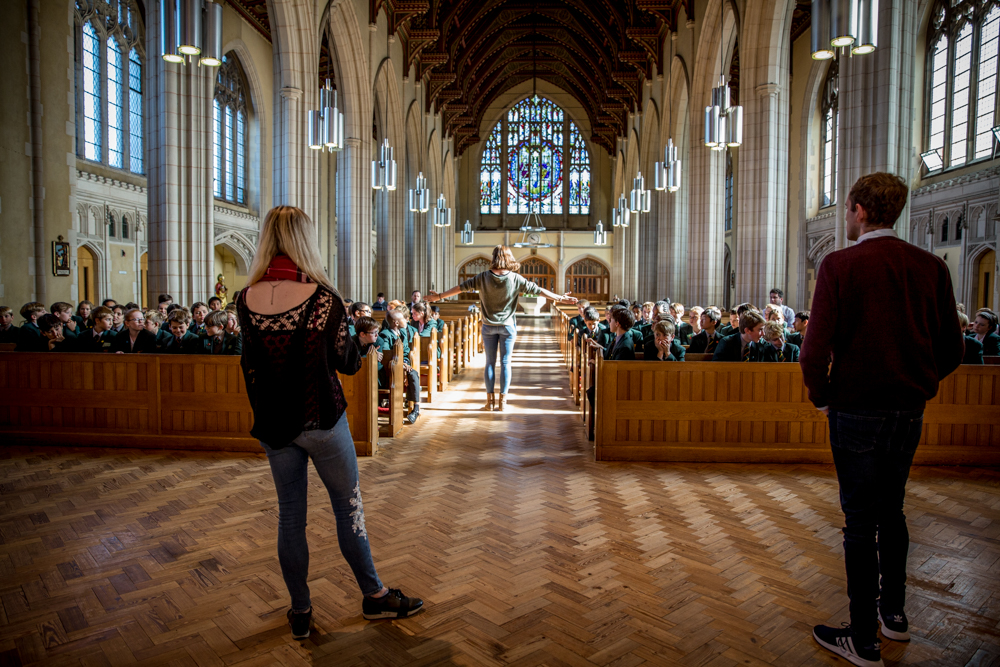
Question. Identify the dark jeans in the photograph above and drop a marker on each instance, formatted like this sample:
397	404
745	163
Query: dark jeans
412	390
332	452
873	450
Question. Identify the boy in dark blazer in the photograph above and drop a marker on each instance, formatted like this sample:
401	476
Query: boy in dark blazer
593	329
100	338
578	322
216	339
184	341
8	332
396	330
985	327
799	326
745	345
620	346
663	338
973	348
775	348
135	338
366	338
708	339
52	335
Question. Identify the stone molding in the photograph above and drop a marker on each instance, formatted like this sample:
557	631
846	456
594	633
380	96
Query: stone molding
980	175
104	180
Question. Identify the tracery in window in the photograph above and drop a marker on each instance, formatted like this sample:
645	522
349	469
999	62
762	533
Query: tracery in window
828	139
962	74
229	116
109	82
535	138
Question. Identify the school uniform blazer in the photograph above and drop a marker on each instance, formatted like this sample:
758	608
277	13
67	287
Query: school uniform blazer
649	350
88	342
188	344
699	342
791	353
575	324
81	324
795	338
620	350
232	344
602	336
973	351
730	349
991	345
164	340
684	333
387	338
11	334
726	330
145	342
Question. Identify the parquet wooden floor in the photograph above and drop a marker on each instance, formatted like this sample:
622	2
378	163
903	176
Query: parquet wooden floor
526	551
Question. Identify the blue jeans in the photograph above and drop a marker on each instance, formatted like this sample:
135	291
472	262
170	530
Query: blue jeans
332	453
495	336
873	451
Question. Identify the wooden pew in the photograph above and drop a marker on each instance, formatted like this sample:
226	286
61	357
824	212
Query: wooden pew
760	413
392	389
991	361
444	345
146	401
429	365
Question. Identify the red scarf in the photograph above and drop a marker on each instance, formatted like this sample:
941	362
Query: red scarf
283	268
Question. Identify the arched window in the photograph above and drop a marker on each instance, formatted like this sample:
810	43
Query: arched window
828	138
109	83
944	231
471	269
534	138
588	279
229	115
962	66
540	272
124	227
111	225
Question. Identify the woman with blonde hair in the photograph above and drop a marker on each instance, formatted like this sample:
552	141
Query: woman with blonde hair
498	290
295	341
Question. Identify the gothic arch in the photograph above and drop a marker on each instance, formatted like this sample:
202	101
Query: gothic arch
388	210
597	289
241	247
256	159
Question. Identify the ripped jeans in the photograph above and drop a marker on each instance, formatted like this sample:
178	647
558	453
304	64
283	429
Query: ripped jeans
332	453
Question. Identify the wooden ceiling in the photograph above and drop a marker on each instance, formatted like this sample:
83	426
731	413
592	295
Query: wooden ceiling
468	52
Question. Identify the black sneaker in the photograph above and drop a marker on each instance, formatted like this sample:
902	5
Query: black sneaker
841	642
894	625
391	605
412	417
301	623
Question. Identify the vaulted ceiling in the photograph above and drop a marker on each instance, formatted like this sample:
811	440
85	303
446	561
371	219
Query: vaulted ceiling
468	52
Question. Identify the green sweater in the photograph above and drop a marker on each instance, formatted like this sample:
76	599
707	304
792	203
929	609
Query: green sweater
498	295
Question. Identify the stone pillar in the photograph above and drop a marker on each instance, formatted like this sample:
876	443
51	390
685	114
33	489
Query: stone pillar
706	182
761	252
876	109
354	237
179	127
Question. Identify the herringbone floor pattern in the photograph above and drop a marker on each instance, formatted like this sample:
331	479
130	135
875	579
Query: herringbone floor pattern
526	551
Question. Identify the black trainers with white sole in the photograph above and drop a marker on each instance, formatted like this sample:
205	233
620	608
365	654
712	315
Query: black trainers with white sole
391	605
840	641
894	625
301	623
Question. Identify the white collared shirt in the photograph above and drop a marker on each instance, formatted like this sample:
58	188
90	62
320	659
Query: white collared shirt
878	233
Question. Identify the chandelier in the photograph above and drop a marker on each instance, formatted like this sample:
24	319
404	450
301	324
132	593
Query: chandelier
620	216
442	214
531	232
191	28
842	23
667	174
420	195
639	201
600	236
326	126
384	168
723	123
467	234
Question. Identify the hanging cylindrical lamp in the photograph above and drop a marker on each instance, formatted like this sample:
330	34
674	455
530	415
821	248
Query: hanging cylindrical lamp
621	216
820	35
673	167
842	27
639	202
867	27
384	168
211	52
315	127
467	234
442	214
600	236
189	27
168	32
734	127
420	195
332	119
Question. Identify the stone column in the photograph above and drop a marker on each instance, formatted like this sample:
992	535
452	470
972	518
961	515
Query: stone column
876	109
179	127
354	237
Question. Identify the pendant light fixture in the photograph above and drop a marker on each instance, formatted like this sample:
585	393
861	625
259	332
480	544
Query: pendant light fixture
667	174
384	168
600	236
420	196
191	28
326	126
723	123
467	234
841	24
639	201
442	214
620	216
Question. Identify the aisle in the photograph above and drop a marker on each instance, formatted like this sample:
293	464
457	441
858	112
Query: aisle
526	551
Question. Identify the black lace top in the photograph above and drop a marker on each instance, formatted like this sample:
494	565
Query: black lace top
290	361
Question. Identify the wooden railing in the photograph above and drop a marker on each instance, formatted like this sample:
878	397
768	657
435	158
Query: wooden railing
148	401
733	412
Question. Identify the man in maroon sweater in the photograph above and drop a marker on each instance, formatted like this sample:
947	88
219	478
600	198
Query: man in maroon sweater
874	395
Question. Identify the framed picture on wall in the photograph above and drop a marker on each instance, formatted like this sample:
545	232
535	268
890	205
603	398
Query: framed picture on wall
60	258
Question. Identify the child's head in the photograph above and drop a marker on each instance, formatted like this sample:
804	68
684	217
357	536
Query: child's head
710	319
232	321
367	329
591	316
179	319
62	310
164	302
135	320
801	321
396	320
83	309
582	305
419	312
359	309
215	303
774	333
403	310
751	325
215	322
118	314
435	312
198	312
103	318
32	310
109	303
986	321
50	326
153	320
663	332
963	320
6	316
622	317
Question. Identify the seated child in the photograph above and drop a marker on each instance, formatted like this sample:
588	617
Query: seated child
745	345
64	311
154	325
576	322
100	337
730	328
215	303
199	311
620	346
8	332
706	341
135	338
216	339
593	328
184	341
82	316
799	326
366	338
357	310
396	330
117	318
663	337
52	334
985	328
973	348
777	349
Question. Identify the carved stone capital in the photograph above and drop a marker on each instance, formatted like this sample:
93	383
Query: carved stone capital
768	89
291	93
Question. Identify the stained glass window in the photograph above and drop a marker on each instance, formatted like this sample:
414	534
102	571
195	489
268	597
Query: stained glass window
116	148
135	111
579	172
229	124
963	41
533	138
490	174
828	162
91	94
534	157
109	57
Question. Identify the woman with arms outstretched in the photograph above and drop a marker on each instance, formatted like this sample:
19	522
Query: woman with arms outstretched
498	290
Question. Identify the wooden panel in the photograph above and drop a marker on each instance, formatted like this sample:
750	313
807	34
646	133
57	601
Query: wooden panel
393	360
361	393
429	366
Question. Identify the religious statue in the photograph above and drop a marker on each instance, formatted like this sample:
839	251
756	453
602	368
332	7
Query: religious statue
221	290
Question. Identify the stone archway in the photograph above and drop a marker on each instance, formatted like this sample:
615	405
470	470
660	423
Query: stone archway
589	278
